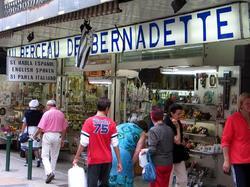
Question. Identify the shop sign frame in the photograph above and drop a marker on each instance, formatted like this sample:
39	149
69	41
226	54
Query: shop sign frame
31	70
223	23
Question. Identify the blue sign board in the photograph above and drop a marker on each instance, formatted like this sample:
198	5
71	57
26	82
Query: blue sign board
212	25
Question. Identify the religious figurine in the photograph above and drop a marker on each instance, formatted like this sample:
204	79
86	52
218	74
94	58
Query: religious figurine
203	79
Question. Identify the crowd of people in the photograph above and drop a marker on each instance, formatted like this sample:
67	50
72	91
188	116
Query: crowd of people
112	150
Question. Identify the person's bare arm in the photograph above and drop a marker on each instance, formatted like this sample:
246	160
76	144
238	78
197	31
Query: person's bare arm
119	162
226	164
78	153
23	127
63	135
39	131
140	145
177	137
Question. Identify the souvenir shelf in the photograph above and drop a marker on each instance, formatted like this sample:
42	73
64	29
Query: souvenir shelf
202	138
137	101
79	103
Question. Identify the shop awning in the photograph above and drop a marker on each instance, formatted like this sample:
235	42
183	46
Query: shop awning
107	8
95	11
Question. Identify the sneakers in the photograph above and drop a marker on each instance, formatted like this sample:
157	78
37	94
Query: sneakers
38	163
50	177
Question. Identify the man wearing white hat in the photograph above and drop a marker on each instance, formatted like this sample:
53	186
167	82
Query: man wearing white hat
30	122
53	124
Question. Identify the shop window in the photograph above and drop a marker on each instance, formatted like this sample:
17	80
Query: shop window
79	97
14	100
167	53
93	60
155	80
149	88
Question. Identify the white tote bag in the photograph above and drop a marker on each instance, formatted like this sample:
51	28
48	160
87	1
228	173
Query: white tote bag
77	177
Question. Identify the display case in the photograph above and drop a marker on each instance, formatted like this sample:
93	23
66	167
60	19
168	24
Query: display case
201	134
134	100
79	98
201	121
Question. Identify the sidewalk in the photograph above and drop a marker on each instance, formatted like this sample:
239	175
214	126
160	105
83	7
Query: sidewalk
17	176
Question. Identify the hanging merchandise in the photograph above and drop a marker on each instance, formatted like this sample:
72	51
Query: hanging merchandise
138	105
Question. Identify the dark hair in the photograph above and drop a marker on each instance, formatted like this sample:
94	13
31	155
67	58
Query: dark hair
167	104
103	103
157	113
143	125
175	107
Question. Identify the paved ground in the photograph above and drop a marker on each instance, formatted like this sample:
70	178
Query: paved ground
17	176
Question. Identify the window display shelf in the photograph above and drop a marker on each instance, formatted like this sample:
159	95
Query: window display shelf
192	134
194	121
204	153
198	104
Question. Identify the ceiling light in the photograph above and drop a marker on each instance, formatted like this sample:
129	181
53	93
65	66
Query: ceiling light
61	12
178	4
177	72
99	80
183	66
41	18
188	70
127	73
160	50
193	47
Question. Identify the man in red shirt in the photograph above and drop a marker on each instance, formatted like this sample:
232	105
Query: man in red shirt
98	133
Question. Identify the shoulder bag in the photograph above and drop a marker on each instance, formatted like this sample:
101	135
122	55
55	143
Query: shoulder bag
148	172
180	153
24	136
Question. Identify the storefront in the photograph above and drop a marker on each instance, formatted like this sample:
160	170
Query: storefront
27	79
142	65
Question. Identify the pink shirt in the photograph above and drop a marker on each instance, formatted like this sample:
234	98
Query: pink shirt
53	121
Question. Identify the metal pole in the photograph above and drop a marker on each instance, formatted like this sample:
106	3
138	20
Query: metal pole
8	144
30	159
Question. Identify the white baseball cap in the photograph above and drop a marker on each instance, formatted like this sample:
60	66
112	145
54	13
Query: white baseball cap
33	103
51	102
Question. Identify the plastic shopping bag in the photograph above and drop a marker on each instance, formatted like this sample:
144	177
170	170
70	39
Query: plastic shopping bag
143	160
77	177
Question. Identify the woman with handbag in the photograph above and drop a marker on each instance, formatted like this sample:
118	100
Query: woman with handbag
30	122
160	148
180	153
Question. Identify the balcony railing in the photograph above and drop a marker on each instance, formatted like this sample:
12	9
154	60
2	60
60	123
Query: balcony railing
21	5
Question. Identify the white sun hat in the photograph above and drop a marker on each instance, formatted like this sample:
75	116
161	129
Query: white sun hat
33	103
51	102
